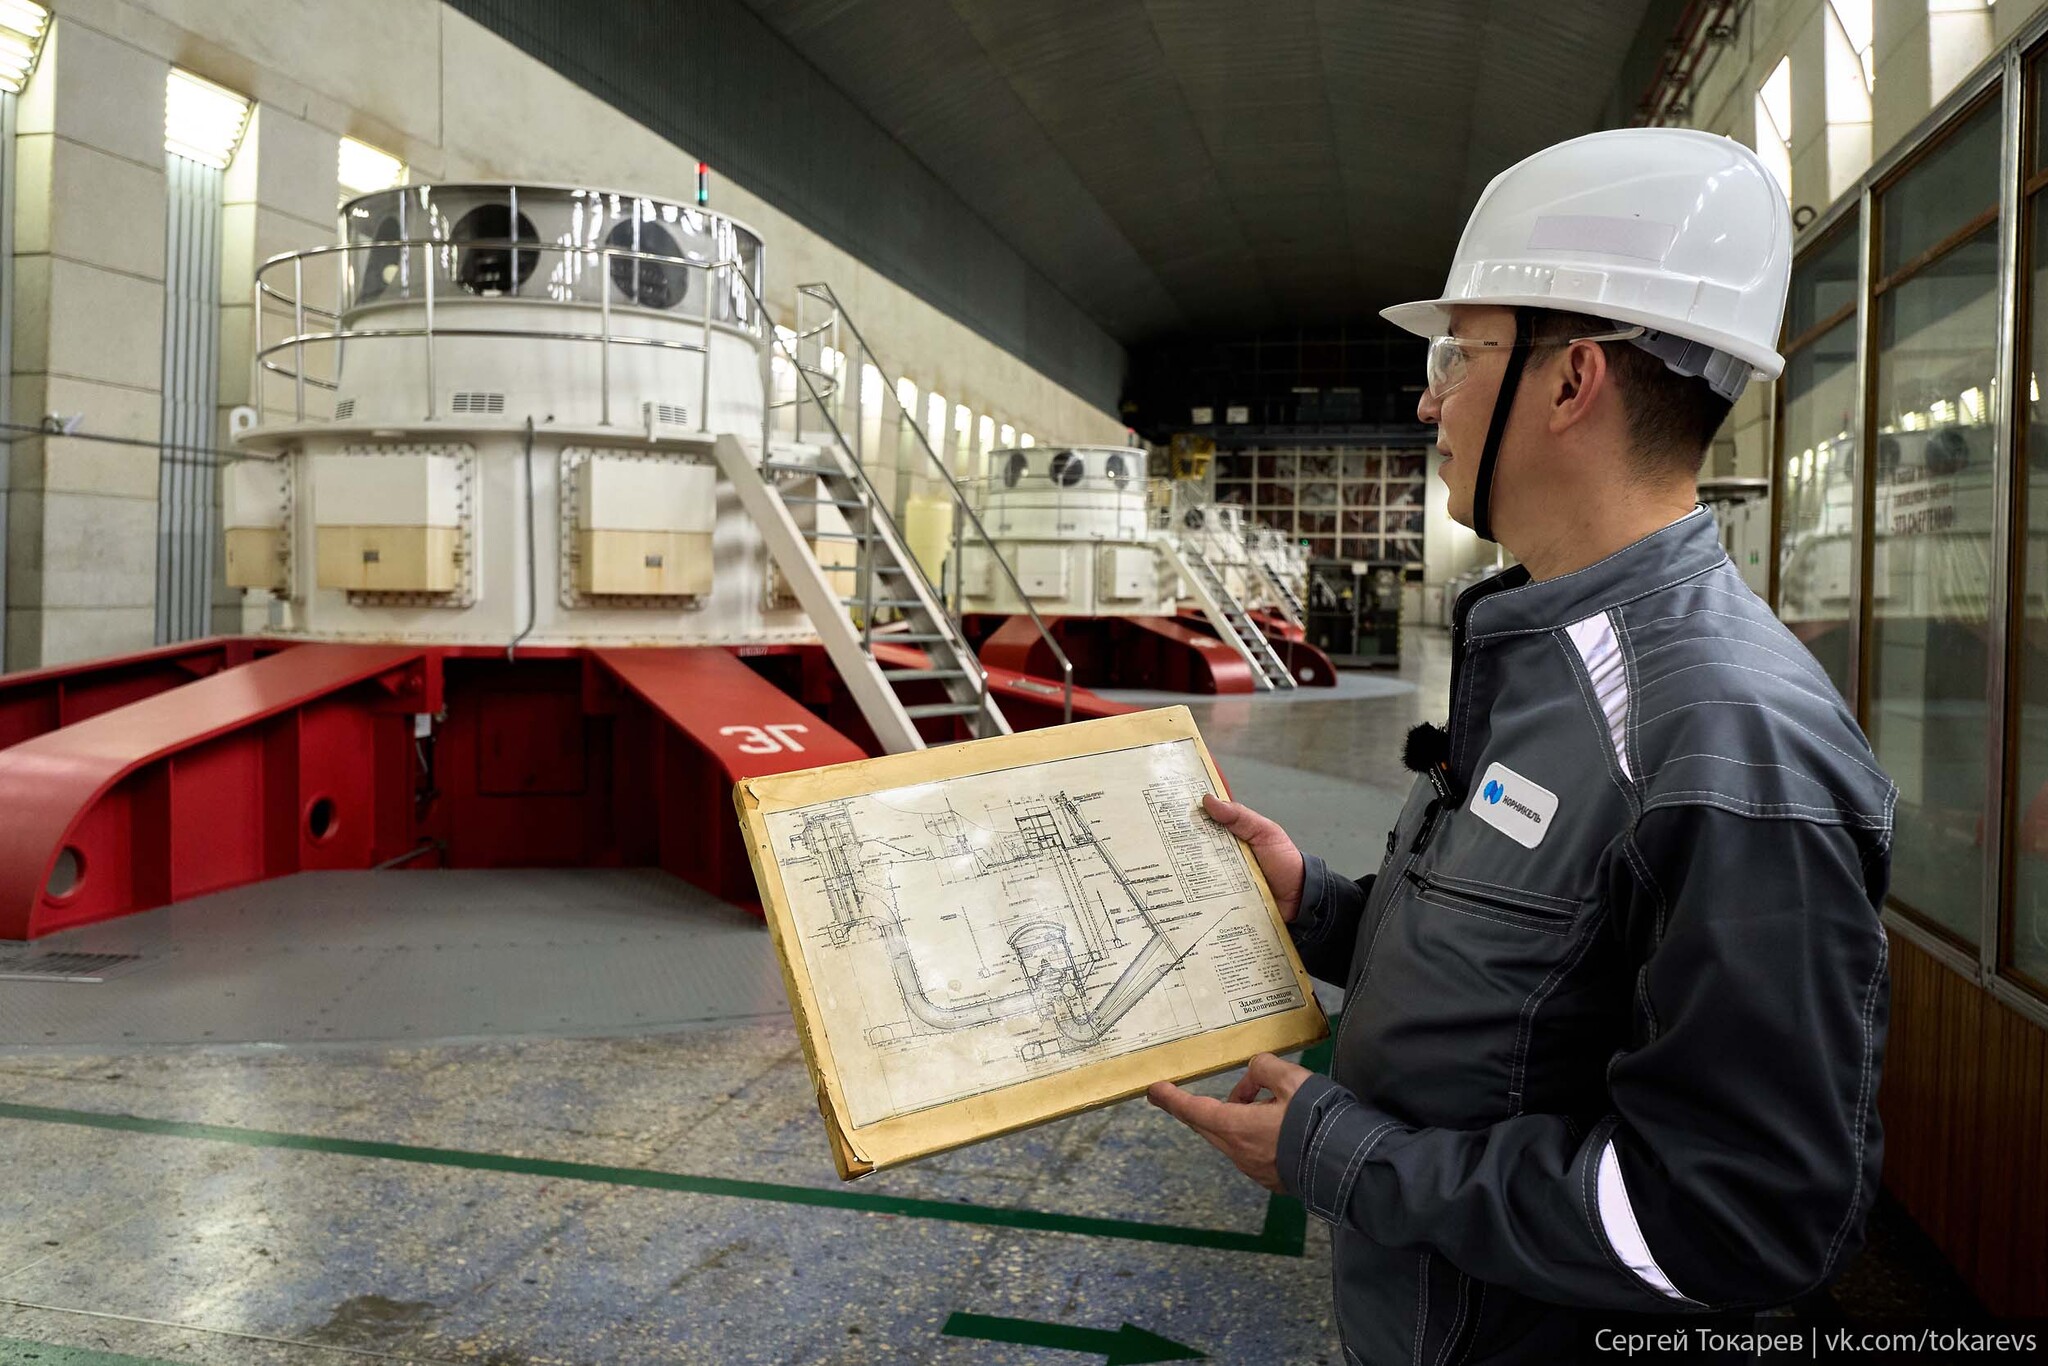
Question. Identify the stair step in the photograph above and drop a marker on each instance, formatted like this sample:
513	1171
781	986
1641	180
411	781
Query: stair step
910	638
915	675
824	502
942	709
858	601
895	569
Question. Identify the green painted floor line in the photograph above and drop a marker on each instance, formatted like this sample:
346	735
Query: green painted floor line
1281	1235
20	1352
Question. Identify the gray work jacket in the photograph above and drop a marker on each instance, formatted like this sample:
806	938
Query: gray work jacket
1615	1013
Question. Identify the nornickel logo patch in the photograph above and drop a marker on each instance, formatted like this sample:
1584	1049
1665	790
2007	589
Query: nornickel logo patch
1513	805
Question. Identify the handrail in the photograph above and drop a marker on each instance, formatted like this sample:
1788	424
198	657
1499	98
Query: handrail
961	505
600	258
758	327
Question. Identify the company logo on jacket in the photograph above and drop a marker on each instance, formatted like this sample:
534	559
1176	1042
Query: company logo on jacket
1514	806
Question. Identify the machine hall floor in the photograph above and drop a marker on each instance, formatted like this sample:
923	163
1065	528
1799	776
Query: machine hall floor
562	1117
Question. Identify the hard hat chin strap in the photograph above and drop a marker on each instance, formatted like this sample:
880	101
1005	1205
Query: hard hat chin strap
1503	404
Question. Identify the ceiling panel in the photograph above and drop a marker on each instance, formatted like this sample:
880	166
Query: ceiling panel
1180	166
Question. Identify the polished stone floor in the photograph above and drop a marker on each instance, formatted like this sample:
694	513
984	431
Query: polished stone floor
563	1118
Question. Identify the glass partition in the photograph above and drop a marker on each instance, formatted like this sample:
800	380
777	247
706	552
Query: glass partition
1817	460
2026	924
1932	397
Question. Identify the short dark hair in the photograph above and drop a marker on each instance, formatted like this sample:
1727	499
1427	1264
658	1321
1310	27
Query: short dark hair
1672	418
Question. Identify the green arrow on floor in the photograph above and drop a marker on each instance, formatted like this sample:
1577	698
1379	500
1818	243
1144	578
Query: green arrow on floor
1127	1346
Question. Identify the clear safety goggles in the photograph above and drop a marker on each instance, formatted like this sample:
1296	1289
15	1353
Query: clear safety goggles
1450	358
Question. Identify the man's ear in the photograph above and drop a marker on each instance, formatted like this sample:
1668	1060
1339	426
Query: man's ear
1580	375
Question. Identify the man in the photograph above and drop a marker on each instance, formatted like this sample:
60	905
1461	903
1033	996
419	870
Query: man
1616	998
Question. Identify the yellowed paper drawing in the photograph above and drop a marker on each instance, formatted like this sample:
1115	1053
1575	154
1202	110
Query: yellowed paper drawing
989	935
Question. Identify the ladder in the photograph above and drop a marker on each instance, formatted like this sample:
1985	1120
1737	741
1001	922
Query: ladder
1227	615
787	490
1282	592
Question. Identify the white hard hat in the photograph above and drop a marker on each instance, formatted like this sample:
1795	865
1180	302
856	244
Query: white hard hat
1683	232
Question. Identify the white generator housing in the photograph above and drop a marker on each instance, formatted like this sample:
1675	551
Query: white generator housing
1073	524
501	404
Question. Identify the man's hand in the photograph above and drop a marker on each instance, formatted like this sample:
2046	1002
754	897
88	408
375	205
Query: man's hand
1245	1128
1278	859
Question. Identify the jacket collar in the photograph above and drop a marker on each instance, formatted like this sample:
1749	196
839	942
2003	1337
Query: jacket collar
1509	603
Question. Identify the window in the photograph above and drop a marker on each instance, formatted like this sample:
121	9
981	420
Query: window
1008	436
2026	929
1774	123
1850	75
1817	454
362	169
935	420
1959	36
1026	441
1929	572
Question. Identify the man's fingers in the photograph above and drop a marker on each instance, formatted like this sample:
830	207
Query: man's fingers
1197	1112
1241	821
1246	1090
1274	1074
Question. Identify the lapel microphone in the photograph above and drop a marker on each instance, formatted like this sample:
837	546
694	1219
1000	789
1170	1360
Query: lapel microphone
1428	751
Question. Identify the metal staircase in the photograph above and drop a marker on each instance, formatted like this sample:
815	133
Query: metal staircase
1283	593
801	491
1269	671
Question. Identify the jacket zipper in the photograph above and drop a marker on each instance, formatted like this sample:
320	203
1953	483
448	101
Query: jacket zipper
1427	883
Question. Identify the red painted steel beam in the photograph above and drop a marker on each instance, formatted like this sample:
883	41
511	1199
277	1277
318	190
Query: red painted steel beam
36	701
716	722
254	772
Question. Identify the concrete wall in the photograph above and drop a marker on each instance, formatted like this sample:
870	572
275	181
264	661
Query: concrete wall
410	76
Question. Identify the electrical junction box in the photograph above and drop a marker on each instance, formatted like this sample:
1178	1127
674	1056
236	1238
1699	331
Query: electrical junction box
643	527
388	522
1042	570
1126	573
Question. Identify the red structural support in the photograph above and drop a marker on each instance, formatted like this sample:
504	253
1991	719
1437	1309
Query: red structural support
257	771
37	701
1120	652
693	723
133	782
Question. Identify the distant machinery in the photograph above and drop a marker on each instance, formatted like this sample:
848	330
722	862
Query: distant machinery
549	566
1093	549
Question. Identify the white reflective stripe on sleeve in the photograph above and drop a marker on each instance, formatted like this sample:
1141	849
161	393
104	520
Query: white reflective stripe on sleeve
1597	646
1618	1217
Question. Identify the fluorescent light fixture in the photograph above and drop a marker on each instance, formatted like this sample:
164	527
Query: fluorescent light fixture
364	170
203	122
22	26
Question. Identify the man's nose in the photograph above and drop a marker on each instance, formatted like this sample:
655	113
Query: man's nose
1429	408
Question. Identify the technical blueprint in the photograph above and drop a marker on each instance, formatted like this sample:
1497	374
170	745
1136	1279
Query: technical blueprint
968	934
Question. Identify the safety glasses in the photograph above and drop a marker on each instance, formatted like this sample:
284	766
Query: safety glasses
1450	358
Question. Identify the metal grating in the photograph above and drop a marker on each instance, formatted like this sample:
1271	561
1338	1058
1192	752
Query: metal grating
477	401
344	410
61	967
